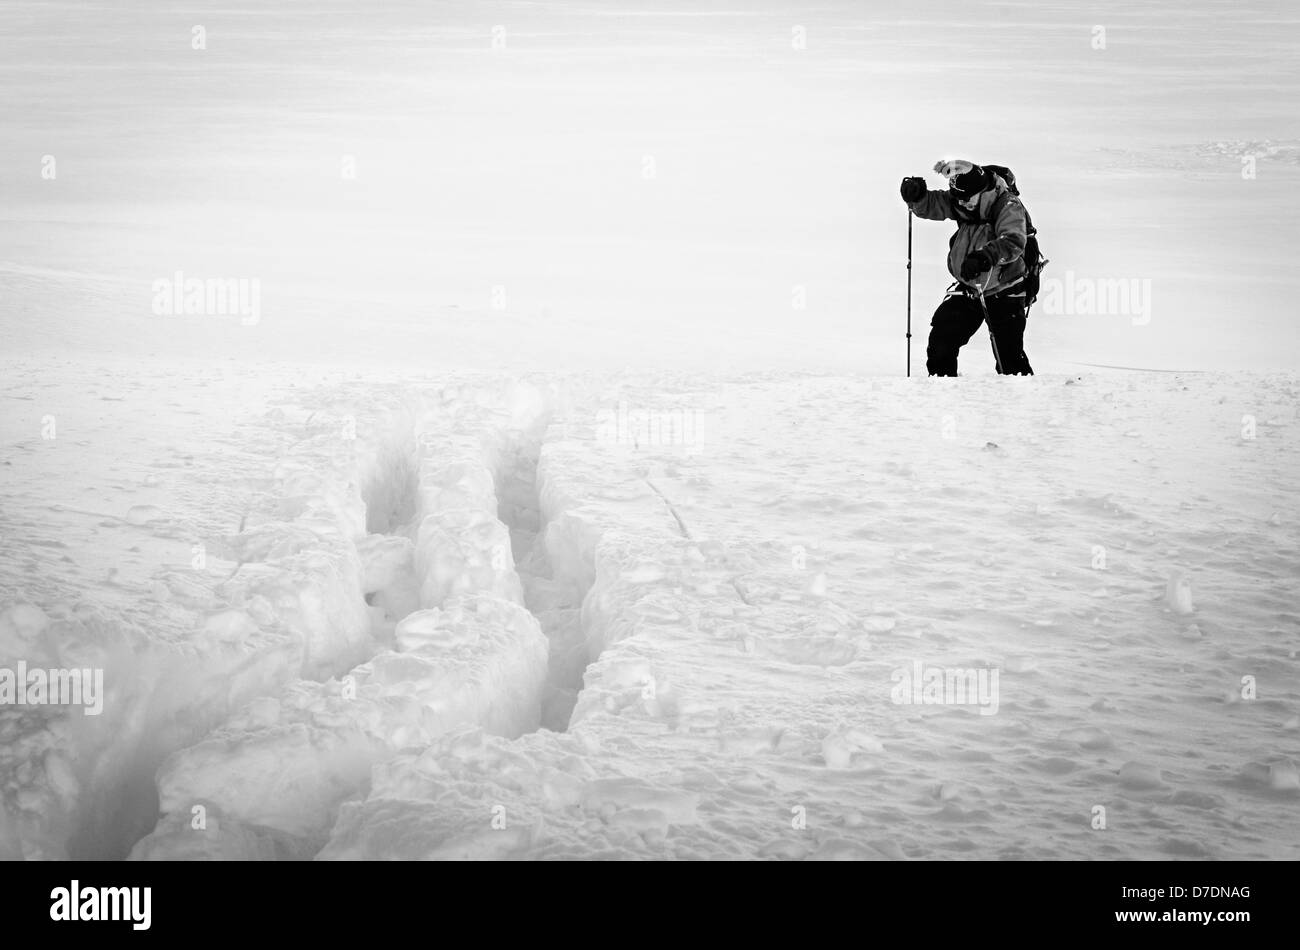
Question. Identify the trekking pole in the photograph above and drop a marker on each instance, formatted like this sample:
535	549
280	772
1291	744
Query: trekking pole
997	357
909	293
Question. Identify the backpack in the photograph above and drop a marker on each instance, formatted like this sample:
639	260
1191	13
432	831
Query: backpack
1034	260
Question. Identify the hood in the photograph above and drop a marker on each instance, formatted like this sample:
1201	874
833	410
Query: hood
988	197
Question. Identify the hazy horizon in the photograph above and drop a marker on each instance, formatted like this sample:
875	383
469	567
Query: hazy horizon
522	170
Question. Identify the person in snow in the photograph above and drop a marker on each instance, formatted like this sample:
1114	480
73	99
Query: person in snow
986	256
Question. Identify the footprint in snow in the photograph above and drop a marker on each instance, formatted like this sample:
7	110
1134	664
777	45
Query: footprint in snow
1089	737
1178	594
144	514
1278	776
1140	776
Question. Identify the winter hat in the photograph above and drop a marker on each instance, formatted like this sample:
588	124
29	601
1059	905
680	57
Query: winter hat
964	178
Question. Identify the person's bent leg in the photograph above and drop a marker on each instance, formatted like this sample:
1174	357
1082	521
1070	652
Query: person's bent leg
953	324
1007	334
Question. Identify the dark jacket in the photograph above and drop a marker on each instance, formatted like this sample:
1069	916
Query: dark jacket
1003	238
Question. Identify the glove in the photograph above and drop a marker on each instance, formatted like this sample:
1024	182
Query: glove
977	263
913	189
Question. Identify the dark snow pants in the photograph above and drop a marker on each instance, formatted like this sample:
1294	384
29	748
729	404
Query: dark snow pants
956	321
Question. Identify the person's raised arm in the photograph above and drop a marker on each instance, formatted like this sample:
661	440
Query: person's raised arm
932	205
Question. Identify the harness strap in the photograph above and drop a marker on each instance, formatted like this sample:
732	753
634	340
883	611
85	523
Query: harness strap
958	287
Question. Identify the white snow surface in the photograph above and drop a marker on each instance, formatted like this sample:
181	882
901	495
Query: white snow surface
491	617
567	500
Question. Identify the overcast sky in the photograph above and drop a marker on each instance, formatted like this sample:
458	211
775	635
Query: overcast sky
698	183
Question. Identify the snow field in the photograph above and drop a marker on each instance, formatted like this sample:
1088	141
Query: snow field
746	606
288	604
274	775
614	546
707	634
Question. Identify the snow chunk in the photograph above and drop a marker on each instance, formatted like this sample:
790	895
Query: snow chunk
288	765
843	744
22	634
463	552
229	626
